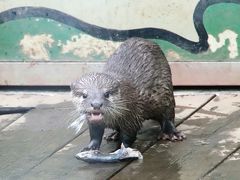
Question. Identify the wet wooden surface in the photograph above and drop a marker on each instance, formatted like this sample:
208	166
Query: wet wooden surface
39	145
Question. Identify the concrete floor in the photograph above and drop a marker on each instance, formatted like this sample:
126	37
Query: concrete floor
39	144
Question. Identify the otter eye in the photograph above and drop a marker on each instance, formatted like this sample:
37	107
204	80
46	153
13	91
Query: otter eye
106	94
84	95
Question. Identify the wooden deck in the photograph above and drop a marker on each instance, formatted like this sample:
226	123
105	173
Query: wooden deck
38	144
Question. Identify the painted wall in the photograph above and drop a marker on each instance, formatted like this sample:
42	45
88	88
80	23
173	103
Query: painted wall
79	30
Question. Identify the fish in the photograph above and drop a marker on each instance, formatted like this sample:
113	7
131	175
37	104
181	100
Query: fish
122	154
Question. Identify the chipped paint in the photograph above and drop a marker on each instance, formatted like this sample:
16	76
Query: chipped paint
231	137
231	36
201	142
16	124
66	148
226	107
234	136
235	156
35	47
188	129
204	116
84	46
223	152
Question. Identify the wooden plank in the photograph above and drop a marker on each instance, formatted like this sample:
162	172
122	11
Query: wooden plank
28	99
33	138
63	165
185	103
206	145
184	73
227	170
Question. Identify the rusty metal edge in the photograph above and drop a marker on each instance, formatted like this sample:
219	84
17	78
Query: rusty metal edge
63	73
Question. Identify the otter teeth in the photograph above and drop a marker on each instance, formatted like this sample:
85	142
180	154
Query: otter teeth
96	113
96	116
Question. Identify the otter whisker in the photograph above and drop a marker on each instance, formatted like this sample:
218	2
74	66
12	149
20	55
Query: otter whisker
78	123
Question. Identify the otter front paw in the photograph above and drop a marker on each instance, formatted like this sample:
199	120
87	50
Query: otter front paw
93	145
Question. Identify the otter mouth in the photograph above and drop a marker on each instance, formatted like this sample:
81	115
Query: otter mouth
95	116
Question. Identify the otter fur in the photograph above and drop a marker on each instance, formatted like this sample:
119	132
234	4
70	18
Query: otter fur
135	85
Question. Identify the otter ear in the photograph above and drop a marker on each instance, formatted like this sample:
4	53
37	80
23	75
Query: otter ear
72	86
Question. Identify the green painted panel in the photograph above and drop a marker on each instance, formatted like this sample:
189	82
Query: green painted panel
11	34
46	39
217	19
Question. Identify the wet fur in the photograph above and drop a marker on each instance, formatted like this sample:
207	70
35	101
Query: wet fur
139	79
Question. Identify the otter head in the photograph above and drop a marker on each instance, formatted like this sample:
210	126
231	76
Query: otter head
98	97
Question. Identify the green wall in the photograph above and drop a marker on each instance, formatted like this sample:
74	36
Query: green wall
42	38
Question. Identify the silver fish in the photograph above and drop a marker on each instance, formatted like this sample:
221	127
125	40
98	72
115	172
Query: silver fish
96	156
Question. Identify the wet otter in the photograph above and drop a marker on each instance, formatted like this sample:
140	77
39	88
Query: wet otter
135	85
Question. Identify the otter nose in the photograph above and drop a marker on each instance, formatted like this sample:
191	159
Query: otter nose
96	105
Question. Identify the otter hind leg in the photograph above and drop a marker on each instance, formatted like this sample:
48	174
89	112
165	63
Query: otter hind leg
168	129
121	138
126	139
113	136
169	132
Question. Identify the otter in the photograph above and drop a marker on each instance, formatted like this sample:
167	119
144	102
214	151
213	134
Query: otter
135	85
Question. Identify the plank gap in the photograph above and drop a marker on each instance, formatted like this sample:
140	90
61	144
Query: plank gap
222	161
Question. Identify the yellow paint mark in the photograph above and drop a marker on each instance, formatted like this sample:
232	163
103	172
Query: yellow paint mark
173	55
84	46
35	47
